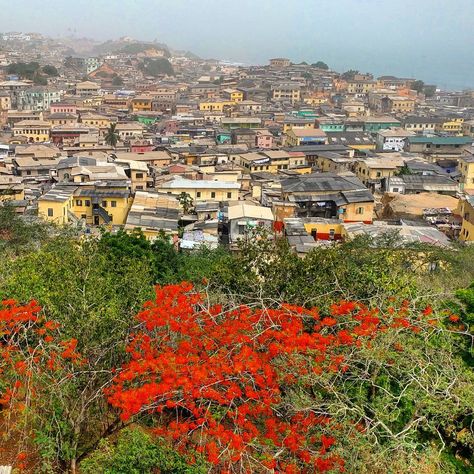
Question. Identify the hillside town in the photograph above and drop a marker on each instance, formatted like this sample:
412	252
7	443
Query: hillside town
139	136
236	238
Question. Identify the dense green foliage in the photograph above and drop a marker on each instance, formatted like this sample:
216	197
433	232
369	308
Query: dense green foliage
136	452
156	67
429	91
418	86
50	70
422	396
135	48
16	233
32	71
348	75
321	65
117	81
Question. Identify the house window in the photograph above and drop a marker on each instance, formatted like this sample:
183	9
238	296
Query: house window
379	174
213	194
83	216
139	175
28	173
113	203
198	194
50	212
87	203
229	195
104	203
332	233
78	202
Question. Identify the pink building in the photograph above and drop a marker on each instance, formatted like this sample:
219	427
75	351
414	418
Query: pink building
264	139
61	108
141	146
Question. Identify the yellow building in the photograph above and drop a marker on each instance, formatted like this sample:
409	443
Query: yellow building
287	93
401	104
315	100
466	210
33	130
62	119
323	229
215	105
353	108
56	205
5	102
233	95
141	103
372	170
452	126
466	168
297	122
202	190
92	101
360	87
328	195
97	120
99	205
136	171
11	188
330	162
272	161
93	204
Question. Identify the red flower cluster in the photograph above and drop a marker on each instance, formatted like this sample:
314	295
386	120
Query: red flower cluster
28	353
217	377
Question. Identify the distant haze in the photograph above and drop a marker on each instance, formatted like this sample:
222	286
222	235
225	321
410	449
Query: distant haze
432	40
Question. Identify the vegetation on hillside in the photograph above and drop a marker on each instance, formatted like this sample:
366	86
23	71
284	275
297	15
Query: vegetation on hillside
33	71
355	356
134	48
156	67
320	65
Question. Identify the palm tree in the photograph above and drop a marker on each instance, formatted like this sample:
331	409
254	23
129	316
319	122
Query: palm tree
111	136
186	202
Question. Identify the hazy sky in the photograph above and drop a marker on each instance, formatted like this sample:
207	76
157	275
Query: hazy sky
429	39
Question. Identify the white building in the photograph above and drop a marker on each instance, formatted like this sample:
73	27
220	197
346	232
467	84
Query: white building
392	139
38	98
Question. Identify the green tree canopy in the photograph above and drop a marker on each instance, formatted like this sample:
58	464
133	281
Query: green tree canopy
50	70
320	65
348	75
156	67
418	86
117	81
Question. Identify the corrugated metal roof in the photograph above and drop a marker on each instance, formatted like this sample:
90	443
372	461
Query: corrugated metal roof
442	140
